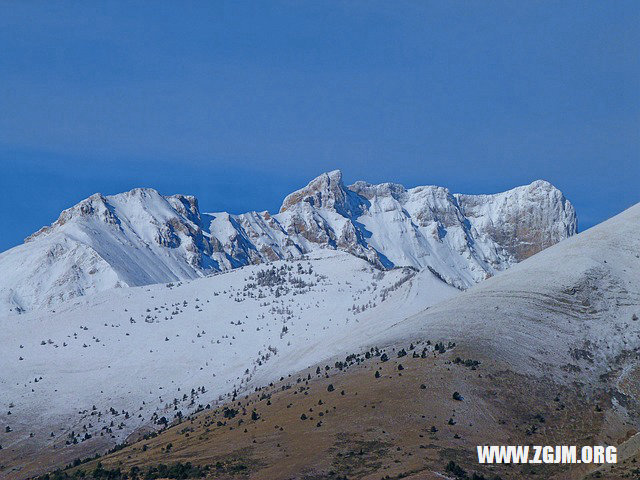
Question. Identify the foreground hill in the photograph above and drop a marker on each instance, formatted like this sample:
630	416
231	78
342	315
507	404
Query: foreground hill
568	313
83	377
141	237
367	418
544	354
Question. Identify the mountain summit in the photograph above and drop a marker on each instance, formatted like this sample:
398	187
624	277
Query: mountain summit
141	237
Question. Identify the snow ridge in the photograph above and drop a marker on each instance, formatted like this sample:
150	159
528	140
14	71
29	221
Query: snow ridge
141	237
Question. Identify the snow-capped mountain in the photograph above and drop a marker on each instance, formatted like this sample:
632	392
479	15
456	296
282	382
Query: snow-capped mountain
141	237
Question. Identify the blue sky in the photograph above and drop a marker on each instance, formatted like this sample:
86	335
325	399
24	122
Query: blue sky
240	103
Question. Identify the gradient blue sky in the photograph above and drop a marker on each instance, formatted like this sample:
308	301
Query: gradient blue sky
240	103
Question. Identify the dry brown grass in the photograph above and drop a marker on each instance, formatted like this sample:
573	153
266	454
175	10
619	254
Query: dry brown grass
373	428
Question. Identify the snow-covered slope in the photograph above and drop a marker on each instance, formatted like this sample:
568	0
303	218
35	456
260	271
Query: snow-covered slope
141	237
569	311
105	364
465	238
135	238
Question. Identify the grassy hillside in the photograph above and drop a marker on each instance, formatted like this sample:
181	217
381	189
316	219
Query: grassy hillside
351	422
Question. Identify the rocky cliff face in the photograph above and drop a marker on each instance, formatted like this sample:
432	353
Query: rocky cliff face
524	220
141	237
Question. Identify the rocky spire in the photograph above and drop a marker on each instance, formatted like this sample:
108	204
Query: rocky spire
325	191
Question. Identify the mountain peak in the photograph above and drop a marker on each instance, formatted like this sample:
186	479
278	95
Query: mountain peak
141	192
326	190
540	183
335	175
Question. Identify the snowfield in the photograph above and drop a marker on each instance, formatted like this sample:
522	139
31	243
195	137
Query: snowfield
103	365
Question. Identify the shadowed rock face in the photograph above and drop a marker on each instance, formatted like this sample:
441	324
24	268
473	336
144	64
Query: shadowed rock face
141	237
